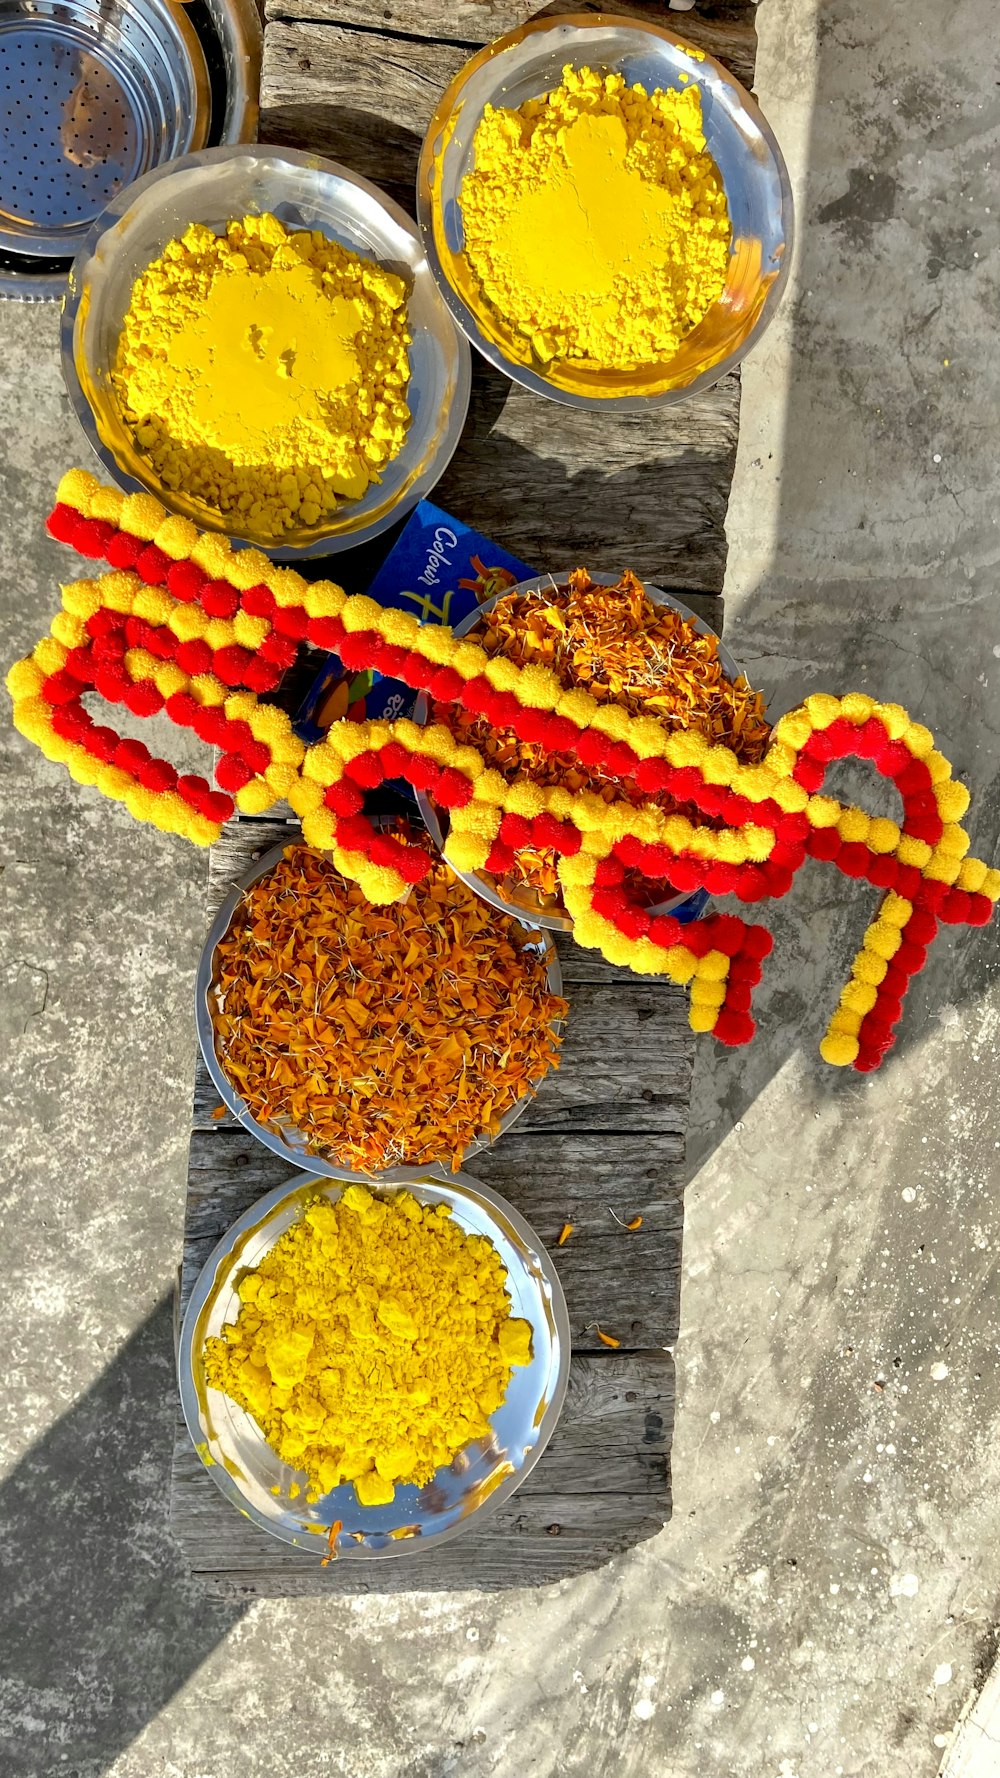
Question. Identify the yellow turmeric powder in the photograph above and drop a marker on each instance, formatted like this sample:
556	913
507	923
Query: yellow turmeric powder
596	221
264	372
373	1342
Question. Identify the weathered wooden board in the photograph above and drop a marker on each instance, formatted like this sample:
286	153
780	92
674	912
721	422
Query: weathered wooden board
606	1133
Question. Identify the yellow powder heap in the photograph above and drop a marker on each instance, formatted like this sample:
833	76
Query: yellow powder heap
373	1343
264	372
596	221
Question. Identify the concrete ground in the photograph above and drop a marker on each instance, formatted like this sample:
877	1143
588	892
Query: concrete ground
825	1599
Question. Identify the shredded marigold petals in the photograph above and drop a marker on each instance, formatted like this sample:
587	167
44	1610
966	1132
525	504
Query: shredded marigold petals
616	644
220	1111
331	1542
564	1234
607	1339
384	1036
636	1223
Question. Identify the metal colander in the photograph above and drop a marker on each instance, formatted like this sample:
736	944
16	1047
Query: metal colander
94	93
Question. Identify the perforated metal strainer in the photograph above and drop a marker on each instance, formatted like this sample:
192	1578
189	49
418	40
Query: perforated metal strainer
94	93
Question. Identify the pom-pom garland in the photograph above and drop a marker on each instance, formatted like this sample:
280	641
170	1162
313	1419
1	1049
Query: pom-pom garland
186	624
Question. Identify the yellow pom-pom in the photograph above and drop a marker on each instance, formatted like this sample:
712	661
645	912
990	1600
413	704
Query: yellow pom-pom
325	599
323	764
895	909
113	782
247	568
526	799
941	868
972	875
218	632
918	740
381	884
853	825
952	800
728	846
33	718
469	659
856	706
489	788
288	587
913	852
707	993
82	765
213	555
869	968
882	939
399	628
119	590
188	622
481	819
68	629
781	759
156	606
82	597
883	834
790	796
688	748
249	631
24	679
77	488
282	779
503	674
719	765
140	664
539	688
990	886
359	613
759	842
255	797
822	709
613	721
954	841
319	828
755	782
49	655
860	997
578	706
845	1021
839	1050
142	515
206	689
466	851
793	729
617	948
713	967
938	767
702	1018
578	871
176	537
680	963
200	830
304	795
894	719
168	677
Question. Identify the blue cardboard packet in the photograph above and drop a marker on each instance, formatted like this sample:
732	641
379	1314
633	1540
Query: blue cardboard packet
440	570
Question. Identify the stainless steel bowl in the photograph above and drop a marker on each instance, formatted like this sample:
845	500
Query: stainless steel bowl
92	95
245	1468
288	1143
304	191
528	63
529	907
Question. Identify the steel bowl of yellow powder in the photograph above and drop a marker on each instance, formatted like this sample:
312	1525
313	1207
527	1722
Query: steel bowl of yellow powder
606	211
254	335
365	1371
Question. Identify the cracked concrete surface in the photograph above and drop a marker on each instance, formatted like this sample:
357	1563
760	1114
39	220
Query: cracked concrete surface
825	1597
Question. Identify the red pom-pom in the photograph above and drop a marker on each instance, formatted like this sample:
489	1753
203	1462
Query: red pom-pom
925	827
105	623
733	1028
61	688
367	770
230	663
161	642
358	649
927	893
609	872
260	675
876	1034
909	884
739	998
355	832
666	932
809	773
219	599
910	957
532	726
193	789
779	880
652	776
506	710
476	693
719	878
124	550
883	870
258	601
620	761
279	650
631	850
323	632
914	779
417	670
344	798
712	799
562	836
208	720
921	927
71	722
824	843
131	756
446	685
62	522
893	758
633	921
689	873
745	971
101	742
980	910
421	772
869	738
561	734
895	981
888	1007
232	772
853	858
752	883
453	789
185	581
391	659
143	699
194	657
757	943
500	860
728	933
593	747
516	830
217	806
385	850
152	565
415	864
111	682
157	775
395	759
257	755
92	537
611	904
955	910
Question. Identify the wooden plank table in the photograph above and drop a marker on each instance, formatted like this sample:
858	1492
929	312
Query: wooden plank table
604	1139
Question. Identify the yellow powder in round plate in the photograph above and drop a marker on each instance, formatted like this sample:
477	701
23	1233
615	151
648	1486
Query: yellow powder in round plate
596	221
264	372
373	1342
